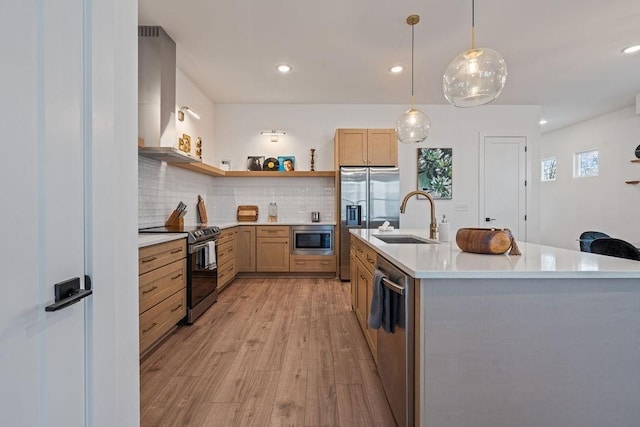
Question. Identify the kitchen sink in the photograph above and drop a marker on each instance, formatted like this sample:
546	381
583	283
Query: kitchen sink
398	238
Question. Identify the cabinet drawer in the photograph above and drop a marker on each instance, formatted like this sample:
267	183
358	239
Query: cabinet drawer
226	235
226	273
154	256
366	255
316	263
272	231
160	283
225	252
161	318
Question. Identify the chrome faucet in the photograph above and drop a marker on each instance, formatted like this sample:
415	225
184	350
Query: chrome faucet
433	227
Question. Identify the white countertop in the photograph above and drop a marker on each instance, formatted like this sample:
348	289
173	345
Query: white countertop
148	239
446	260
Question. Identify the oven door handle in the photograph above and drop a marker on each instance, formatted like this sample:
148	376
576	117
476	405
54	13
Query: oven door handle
392	286
196	248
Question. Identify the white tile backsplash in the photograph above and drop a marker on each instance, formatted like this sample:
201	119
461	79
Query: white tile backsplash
161	187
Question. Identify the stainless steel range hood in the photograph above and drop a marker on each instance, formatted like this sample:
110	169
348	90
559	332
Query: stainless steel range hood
157	96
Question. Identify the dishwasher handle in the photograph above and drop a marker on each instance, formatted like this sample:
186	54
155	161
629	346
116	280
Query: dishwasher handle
392	286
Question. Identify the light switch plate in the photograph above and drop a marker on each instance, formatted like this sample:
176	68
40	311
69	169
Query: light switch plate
461	207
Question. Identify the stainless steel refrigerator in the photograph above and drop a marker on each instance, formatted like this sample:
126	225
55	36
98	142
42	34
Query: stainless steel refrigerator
369	197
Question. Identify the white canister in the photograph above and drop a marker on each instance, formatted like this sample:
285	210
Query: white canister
443	230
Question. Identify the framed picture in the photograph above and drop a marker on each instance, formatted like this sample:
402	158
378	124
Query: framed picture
435	167
254	163
287	163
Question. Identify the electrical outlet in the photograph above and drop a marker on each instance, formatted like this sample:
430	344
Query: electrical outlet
461	207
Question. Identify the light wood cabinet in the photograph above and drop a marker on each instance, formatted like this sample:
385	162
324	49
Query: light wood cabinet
366	147
246	256
353	274
161	290
365	264
312	263
226	257
272	248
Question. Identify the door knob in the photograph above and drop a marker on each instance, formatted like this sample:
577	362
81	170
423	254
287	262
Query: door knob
487	219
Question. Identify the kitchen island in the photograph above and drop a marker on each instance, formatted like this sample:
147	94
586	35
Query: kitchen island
548	338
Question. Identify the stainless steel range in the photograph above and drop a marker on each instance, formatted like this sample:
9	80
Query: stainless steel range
202	271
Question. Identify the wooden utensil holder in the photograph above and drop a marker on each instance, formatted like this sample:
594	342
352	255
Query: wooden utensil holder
174	220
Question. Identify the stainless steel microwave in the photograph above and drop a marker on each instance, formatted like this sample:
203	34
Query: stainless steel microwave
312	240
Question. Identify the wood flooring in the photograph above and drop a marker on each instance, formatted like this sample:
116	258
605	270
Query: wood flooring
270	352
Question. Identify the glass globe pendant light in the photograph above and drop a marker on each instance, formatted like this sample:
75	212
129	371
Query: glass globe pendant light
413	126
476	76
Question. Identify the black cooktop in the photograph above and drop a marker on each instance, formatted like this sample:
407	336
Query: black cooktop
195	233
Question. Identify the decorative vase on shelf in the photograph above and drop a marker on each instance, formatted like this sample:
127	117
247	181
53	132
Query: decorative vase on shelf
313	154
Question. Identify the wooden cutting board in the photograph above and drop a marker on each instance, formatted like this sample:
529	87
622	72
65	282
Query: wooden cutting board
202	210
490	241
247	213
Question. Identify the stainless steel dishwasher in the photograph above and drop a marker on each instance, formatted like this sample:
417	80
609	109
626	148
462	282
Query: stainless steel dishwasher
396	350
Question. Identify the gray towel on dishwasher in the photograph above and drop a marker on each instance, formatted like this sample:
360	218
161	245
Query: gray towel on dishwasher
377	300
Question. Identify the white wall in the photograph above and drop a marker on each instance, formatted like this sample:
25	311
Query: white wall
604	203
188	94
237	135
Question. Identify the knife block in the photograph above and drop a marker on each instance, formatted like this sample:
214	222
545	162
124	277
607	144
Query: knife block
174	220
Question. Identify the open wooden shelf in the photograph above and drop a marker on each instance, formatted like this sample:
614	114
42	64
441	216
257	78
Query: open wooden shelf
202	168
632	182
277	174
635	161
206	169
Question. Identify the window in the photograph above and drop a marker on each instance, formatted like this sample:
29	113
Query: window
586	164
548	169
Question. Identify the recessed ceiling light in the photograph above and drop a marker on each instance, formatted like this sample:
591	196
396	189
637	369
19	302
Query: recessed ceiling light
631	49
543	121
396	69
284	68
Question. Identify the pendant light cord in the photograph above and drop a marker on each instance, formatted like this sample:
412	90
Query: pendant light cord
473	24
412	41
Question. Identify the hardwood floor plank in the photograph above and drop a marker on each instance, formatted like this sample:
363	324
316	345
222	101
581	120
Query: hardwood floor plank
220	414
289	405
233	386
258	404
345	362
352	406
375	400
299	333
275	344
321	406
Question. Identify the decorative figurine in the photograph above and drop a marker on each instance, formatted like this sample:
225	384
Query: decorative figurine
313	153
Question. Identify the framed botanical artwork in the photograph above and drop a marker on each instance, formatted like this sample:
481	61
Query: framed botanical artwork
254	163
435	167
287	163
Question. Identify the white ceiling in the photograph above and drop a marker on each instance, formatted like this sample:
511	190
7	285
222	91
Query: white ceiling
561	54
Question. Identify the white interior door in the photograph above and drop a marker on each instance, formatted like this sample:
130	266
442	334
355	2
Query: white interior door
503	183
42	354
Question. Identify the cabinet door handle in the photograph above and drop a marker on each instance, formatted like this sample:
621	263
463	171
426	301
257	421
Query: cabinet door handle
150	290
144	331
176	308
149	259
176	251
369	259
175	277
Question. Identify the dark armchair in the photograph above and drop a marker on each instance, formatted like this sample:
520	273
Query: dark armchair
587	237
615	247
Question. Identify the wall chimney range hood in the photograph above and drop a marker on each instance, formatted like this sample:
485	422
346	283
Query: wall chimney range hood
157	96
